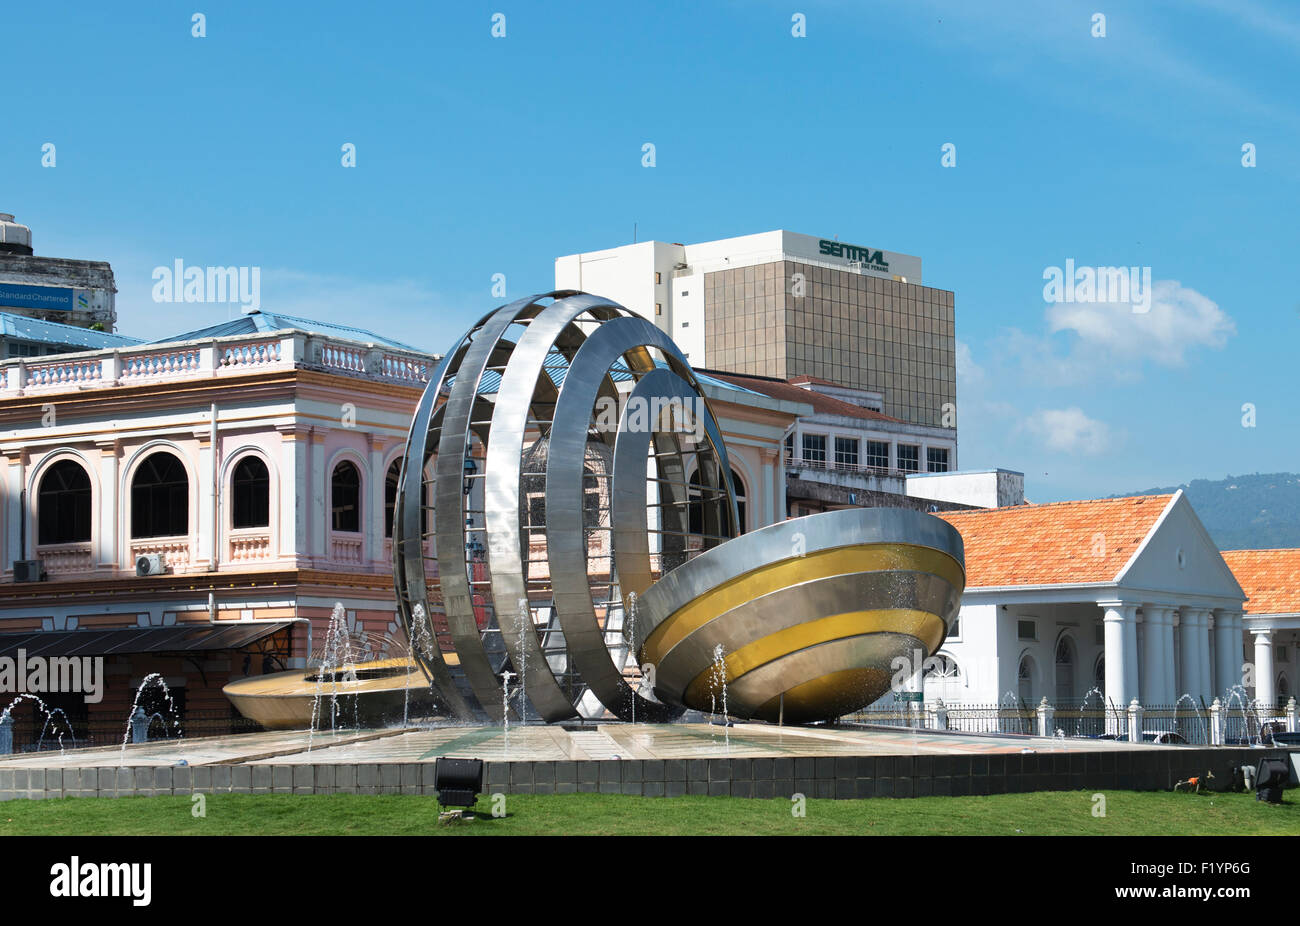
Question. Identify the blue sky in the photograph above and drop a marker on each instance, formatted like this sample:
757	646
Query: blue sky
479	155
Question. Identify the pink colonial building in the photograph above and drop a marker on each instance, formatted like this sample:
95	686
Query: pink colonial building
198	506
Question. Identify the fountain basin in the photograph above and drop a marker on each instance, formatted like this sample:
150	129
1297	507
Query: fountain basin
809	613
384	691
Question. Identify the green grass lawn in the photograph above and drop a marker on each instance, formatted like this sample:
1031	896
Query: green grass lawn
1045	813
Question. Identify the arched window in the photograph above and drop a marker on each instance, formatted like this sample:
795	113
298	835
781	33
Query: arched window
345	498
63	504
1064	670
1025	680
390	495
1099	674
160	498
250	488
702	499
738	486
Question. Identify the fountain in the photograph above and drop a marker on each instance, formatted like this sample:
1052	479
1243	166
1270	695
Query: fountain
151	678
336	656
6	721
718	685
1205	739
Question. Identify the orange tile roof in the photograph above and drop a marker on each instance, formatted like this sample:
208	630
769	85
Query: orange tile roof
1064	543
1270	579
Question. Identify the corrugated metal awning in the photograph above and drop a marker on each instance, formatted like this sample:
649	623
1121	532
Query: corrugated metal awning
180	638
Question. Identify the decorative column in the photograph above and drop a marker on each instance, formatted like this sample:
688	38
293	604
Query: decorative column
1134	721
1205	666
1226	674
771	473
1265	696
319	485
295	511
373	526
1170	672
203	550
17	475
1188	659
1153	657
1239	645
106	556
1120	624
1045	717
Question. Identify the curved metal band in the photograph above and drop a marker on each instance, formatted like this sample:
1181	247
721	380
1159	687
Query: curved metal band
792	606
565	535
409	580
784	539
748	694
519	389
628	494
449	502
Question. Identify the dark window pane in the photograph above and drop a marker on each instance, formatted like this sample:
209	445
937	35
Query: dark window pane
63	505
390	495
251	490
160	498
345	498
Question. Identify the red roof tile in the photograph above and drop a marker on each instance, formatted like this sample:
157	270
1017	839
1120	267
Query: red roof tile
1270	579
1064	543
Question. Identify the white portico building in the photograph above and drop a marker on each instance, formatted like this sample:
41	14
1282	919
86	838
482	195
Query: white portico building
1272	580
1129	596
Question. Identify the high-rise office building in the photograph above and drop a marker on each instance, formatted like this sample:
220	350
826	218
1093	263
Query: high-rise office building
783	304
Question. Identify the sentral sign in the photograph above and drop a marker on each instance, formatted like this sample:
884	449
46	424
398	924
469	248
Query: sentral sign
853	253
872	261
56	298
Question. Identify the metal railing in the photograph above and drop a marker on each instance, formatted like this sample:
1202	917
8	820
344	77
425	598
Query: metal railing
861	469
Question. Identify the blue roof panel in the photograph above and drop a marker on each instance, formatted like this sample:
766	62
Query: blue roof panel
263	322
23	328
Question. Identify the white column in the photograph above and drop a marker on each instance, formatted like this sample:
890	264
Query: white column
769	489
373	513
201	526
1264	693
295	490
1170	672
1225	673
1239	644
1157	683
106	556
1188	659
1120	637
14	514
320	488
1203	653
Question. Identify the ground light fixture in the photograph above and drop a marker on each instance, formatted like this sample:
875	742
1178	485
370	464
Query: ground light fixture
458	783
1271	778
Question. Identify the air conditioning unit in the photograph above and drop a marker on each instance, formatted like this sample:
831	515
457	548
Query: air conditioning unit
27	570
150	564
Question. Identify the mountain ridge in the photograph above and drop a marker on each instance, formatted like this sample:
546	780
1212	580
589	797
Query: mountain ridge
1259	511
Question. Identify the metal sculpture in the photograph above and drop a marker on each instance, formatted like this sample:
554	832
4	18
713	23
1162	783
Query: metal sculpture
547	479
565	507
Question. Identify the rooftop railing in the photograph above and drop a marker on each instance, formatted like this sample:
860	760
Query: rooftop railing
229	356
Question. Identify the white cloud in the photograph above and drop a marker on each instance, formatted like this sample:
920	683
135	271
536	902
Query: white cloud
968	371
1179	320
1069	430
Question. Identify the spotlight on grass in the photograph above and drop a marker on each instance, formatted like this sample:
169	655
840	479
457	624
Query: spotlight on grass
458	783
